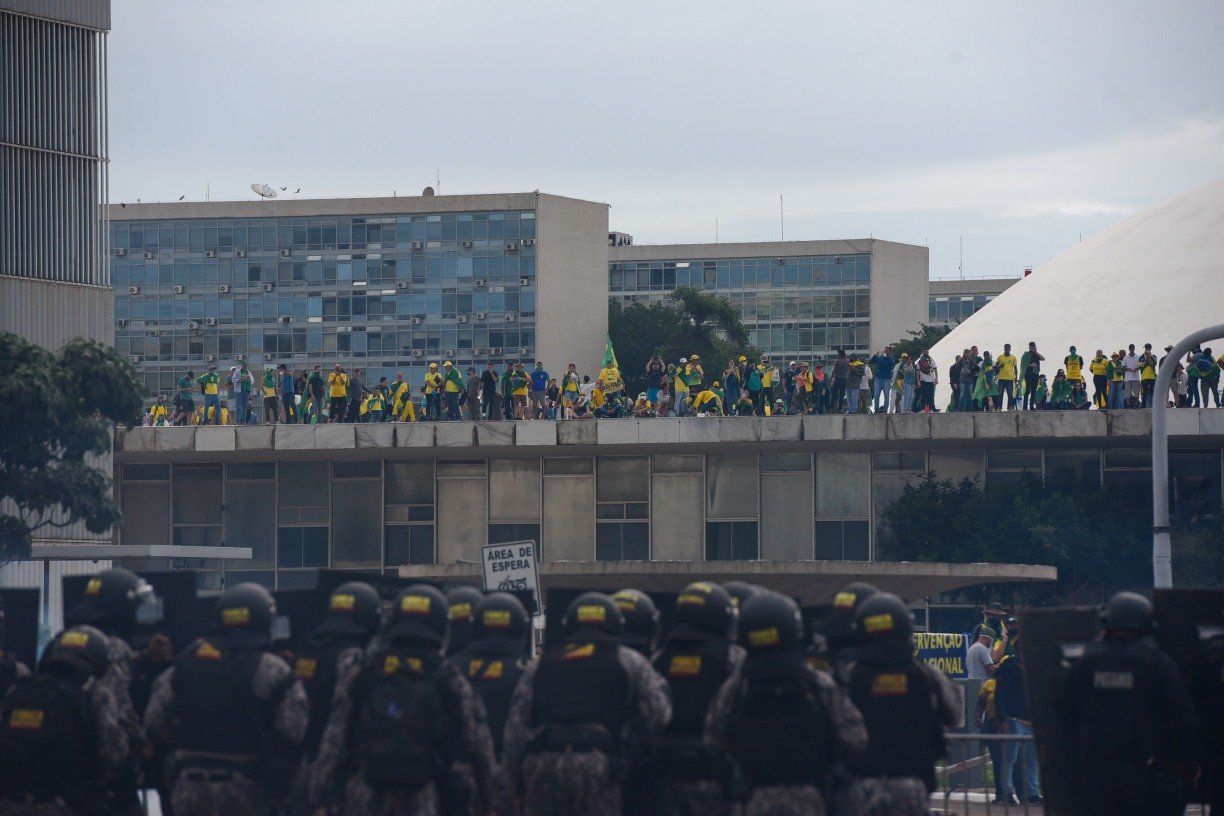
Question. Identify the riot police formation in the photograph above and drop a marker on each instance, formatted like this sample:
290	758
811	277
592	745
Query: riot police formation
641	621
581	714
462	601
495	658
11	669
1133	716
679	775
61	735
789	728
407	735
740	592
839	639
905	706
231	713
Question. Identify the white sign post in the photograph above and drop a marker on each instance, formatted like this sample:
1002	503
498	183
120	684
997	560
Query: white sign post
512	567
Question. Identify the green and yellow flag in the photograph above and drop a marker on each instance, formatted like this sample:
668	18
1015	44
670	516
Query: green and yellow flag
609	358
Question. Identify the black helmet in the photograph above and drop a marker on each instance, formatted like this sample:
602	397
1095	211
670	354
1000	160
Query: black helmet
81	649
421	613
593	610
838	626
740	592
853	594
244	614
883	615
770	622
500	615
1128	611
641	620
462	602
113	598
706	607
353	609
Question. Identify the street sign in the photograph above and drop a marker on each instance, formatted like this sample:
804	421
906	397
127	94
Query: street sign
512	567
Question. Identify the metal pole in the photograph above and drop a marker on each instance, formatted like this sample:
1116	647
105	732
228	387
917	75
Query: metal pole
1162	559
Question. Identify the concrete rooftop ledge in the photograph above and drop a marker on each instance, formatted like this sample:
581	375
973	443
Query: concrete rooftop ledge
812	581
1130	428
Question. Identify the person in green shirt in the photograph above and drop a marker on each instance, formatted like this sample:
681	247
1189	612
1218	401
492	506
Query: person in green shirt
1114	373
1060	392
1040	395
270	402
1079	397
212	399
1008	370
1030	369
507	391
314	384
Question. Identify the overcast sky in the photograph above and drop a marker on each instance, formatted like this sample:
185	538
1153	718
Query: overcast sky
1017	126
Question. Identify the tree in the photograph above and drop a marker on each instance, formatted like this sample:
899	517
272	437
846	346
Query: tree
690	322
920	340
60	409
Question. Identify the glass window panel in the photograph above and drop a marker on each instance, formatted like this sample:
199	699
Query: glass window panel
146	513
314	546
303	484
785	462
914	460
357	470
568	467
886	460
607	542
677	464
505	533
197	494
146	473
197	536
357	508
829	544
635	542
856	540
843	484
732	485
459	470
1128	459
731	540
610	511
623	479
514	489
410	544
250	520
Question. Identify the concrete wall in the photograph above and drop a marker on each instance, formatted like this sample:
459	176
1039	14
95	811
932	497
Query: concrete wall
972	286
50	314
571	283
900	301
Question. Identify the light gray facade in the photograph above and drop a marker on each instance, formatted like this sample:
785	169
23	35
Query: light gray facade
954	301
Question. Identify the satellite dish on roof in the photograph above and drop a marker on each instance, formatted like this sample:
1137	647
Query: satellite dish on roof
428	191
263	190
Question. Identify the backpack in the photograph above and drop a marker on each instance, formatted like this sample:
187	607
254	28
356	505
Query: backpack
754	380
47	736
400	727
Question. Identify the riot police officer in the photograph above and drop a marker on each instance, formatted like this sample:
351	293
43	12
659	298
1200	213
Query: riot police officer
60	734
463	601
740	592
580	713
232	713
680	776
789	728
905	705
407	736
1133	715
641	621
11	669
841	640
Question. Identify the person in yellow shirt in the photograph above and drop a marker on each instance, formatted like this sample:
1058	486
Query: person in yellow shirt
1008	367
402	408
433	396
1073	364
1099	368
707	401
158	413
520	383
1147	374
337	390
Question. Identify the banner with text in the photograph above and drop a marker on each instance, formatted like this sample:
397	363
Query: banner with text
512	567
946	652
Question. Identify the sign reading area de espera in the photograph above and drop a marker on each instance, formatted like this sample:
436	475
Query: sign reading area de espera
946	652
511	567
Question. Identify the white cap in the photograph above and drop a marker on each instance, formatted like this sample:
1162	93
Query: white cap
684	359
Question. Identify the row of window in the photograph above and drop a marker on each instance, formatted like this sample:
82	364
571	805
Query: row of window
733	277
486	306
956	308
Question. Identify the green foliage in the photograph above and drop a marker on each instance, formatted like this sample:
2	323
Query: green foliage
1098	538
691	322
60	409
920	340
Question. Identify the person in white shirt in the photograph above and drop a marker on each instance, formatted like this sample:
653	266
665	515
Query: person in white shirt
981	662
1131	376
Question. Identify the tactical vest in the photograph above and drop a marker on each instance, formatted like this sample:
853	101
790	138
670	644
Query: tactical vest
581	697
1207	686
48	738
902	725
694	671
493	674
218	713
780	733
8	674
1120	715
315	666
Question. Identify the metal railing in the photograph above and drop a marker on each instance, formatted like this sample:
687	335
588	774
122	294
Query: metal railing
974	778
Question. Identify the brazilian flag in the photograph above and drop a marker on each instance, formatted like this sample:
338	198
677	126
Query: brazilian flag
609	358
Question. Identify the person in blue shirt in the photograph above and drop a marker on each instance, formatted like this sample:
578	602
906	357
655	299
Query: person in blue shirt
539	390
288	393
882	367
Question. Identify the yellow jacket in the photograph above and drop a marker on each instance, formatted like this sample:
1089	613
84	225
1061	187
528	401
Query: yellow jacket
337	381
1099	366
433	381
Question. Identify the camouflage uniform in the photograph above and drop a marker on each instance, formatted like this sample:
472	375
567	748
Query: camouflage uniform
847	729
299	794
113	752
118	679
237	794
476	778
583	783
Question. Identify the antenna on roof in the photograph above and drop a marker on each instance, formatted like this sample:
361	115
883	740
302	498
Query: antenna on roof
263	190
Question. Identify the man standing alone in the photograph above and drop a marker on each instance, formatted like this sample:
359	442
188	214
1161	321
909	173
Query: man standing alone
1030	364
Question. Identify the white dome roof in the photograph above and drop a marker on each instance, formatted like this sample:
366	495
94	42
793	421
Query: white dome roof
1153	278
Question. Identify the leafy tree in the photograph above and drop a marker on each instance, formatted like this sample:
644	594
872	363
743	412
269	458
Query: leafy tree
920	340
690	322
61	408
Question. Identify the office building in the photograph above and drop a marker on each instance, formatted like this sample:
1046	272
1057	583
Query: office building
952	301
381	284
798	299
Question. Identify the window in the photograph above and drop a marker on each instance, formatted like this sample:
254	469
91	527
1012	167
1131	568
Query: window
505	533
301	547
731	541
911	461
623	479
410	544
842	541
616	541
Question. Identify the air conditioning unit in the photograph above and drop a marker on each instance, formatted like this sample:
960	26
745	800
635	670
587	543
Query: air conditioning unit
512	246
837	259
268	287
240	357
461	319
524	281
178	290
416	321
480	282
528	242
401	284
224	288
418	353
286	318
523	350
210	321
285	253
133	290
148	256
120	253
239	253
210	358
482	315
448	352
134	358
210	253
197	332
511	317
418	244
191	324
495	350
468	244
123	323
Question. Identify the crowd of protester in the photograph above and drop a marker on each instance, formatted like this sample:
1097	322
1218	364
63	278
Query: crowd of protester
845	384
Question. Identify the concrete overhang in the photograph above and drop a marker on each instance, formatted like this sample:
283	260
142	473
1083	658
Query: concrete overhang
810	581
102	552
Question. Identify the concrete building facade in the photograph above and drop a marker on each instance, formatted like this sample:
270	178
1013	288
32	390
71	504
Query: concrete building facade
381	284
952	301
798	299
651	500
